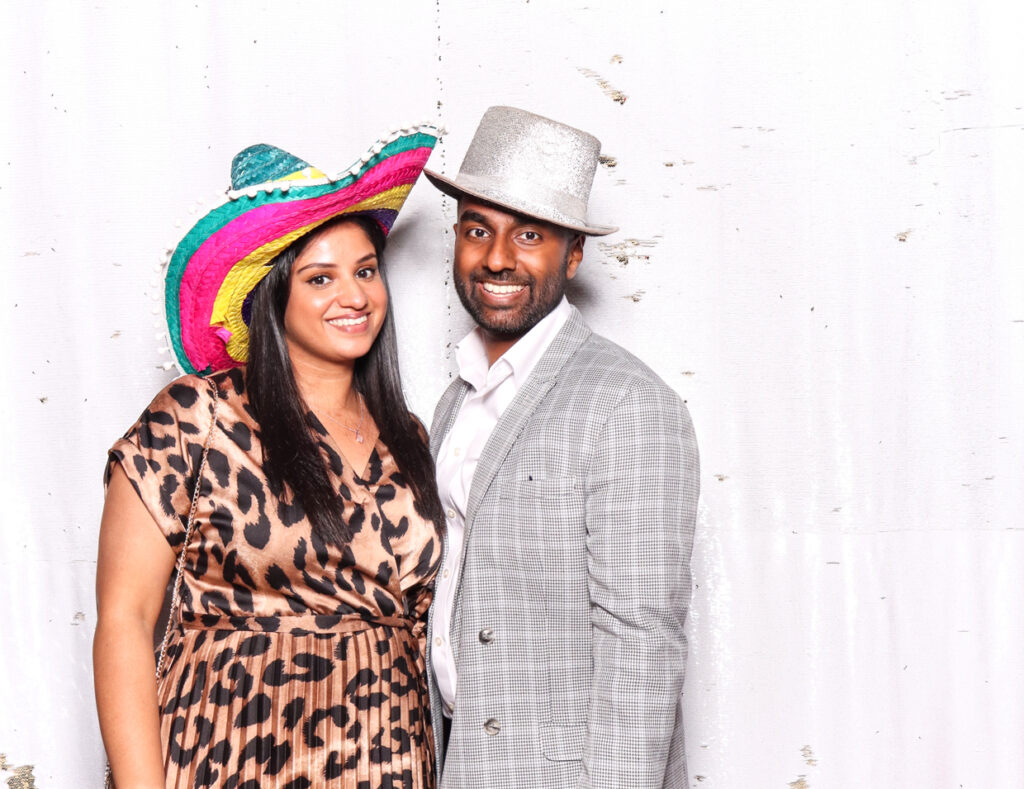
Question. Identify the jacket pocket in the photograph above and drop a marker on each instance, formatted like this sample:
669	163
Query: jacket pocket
562	743
553	488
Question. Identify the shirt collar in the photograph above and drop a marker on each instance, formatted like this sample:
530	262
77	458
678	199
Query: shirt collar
518	361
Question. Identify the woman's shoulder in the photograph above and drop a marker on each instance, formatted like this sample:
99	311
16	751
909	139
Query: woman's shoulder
190	392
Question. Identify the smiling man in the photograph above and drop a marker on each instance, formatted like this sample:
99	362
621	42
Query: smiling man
569	476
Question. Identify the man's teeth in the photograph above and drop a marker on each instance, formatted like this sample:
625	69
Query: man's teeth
347	321
502	289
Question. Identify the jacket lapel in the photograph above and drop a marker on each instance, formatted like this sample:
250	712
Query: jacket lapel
572	335
444	414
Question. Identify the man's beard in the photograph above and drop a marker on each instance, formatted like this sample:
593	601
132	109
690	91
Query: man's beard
511	324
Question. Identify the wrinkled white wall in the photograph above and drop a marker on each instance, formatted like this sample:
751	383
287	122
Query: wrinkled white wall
820	249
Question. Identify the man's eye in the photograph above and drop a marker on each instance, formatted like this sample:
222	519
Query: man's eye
477	232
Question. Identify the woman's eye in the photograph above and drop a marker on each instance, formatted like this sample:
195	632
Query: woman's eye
319	280
367	272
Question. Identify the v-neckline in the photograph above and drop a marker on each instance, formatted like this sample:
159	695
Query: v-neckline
359	473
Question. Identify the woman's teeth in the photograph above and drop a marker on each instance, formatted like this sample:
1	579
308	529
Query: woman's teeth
348	321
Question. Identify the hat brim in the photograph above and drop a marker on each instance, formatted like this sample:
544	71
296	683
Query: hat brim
453	189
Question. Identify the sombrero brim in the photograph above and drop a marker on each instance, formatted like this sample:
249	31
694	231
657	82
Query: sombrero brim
218	263
495	196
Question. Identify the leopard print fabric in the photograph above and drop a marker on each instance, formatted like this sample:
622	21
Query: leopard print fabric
298	664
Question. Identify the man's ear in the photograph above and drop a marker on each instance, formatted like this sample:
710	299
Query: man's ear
574	255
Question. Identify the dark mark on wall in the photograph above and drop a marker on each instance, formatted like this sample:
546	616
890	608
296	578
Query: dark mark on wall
689	372
43	399
21	778
721	477
635	296
808	755
628	251
902	237
613	93
800	783
608	161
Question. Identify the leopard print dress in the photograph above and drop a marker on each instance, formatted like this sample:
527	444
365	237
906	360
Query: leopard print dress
298	664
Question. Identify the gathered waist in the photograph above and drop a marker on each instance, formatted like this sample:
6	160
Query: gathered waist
292	624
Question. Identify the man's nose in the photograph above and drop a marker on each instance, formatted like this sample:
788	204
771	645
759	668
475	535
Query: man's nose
500	257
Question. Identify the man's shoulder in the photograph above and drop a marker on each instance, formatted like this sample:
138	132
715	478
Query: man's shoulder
600	361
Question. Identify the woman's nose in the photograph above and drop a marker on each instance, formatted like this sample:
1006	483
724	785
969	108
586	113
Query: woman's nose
351	293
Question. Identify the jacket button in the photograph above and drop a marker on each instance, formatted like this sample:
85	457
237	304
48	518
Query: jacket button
486	636
491	726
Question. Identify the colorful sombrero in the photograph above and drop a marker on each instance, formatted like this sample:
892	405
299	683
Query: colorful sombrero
274	199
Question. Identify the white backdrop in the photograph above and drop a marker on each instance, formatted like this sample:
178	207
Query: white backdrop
820	249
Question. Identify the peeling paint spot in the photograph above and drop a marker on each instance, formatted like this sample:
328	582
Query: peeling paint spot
43	399
902	237
800	783
616	59
689	372
808	755
636	296
21	778
708	188
115	335
608	161
613	93
699	778
625	252
721	477
78	618
670	164
31	255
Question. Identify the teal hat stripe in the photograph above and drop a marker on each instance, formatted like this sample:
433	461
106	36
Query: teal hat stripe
224	214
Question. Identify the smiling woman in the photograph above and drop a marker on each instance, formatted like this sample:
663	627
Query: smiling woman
295	492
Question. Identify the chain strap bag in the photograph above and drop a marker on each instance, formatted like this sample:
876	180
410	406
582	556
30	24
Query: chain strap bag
172	616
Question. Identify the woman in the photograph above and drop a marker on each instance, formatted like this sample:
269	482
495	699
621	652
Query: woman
295	658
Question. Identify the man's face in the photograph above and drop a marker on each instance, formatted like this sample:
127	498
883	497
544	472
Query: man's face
510	270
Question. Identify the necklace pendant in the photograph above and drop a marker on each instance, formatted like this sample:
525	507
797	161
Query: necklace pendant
359	438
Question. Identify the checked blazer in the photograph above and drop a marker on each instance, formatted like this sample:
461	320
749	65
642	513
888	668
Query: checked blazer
567	628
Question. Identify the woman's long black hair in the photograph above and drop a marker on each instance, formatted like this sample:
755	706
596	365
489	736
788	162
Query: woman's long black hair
291	453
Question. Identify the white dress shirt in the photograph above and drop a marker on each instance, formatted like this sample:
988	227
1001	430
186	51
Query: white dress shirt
491	390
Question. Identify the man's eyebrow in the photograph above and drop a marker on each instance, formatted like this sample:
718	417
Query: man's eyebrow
469	215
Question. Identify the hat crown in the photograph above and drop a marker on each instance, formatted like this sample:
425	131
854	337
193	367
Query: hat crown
522	152
261	164
530	165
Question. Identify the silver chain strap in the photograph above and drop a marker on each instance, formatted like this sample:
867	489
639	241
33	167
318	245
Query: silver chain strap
179	567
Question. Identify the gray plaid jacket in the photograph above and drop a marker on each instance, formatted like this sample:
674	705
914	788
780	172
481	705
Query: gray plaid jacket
568	623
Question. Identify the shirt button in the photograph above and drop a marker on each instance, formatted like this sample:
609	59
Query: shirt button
491	726
486	635
438	641
446	573
450	512
457	451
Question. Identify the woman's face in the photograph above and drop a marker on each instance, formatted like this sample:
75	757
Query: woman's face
337	301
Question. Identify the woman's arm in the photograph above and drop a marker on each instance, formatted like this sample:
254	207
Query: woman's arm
132	570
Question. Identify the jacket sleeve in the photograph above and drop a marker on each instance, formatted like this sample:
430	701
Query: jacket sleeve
641	505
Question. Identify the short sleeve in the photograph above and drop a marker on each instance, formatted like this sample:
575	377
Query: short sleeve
162	450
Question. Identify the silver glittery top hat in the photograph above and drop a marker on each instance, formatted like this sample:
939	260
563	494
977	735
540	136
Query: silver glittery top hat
530	165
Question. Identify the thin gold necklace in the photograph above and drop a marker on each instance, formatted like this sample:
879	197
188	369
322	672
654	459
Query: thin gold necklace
358	429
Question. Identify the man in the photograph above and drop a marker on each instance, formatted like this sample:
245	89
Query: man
568	472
